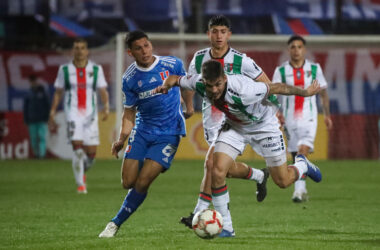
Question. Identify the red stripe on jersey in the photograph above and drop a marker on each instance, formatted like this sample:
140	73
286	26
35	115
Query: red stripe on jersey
81	88
299	81
221	60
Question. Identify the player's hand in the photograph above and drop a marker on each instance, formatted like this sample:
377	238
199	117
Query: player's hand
328	122
52	125
161	89
116	147
105	114
188	113
313	89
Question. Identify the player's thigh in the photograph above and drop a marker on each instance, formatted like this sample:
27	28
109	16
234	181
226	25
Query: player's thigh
129	172
91	131
149	172
163	149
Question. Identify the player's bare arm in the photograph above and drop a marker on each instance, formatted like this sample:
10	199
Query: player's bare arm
169	82
187	96
326	108
127	124
56	100
105	101
284	89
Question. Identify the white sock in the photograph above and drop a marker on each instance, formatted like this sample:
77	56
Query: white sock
78	166
203	203
255	175
301	168
221	205
300	186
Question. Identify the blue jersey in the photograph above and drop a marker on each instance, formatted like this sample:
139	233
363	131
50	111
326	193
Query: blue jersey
159	114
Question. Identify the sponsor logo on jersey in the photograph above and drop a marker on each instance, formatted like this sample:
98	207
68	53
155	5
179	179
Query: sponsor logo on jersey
147	94
91	74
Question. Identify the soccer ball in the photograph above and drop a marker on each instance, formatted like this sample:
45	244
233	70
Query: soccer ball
207	224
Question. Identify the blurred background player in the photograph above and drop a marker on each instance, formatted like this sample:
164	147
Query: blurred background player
160	125
78	81
234	62
36	115
300	114
249	120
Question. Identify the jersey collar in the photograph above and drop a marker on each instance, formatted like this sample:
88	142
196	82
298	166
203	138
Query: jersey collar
150	67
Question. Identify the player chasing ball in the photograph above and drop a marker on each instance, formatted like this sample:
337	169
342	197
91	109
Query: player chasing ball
248	121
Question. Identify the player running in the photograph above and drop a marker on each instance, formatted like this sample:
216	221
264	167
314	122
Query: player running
234	62
78	81
300	114
248	121
153	142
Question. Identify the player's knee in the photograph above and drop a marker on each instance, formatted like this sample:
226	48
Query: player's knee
208	164
127	182
281	182
218	173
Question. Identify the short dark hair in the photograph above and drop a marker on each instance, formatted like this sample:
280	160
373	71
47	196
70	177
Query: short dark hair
80	40
219	20
212	70
296	37
133	36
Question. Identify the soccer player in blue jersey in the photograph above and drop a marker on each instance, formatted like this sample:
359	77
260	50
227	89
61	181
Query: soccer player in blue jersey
155	136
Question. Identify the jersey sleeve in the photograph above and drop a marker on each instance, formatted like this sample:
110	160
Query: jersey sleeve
129	97
101	79
250	68
189	82
320	77
276	76
60	80
179	68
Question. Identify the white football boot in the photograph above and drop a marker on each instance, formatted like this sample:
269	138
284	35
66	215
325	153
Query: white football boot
110	230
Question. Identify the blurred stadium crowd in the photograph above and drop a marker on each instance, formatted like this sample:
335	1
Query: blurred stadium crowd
34	24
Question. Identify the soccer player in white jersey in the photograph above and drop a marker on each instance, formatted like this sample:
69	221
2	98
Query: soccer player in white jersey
248	121
300	113
79	81
234	62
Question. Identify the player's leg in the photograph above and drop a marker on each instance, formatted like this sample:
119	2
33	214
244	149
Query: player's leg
75	131
243	171
91	141
223	159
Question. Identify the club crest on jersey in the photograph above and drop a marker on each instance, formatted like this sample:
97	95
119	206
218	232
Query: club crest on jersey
308	73
139	83
298	74
228	67
164	74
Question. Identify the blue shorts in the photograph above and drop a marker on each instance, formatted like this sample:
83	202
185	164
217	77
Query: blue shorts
159	148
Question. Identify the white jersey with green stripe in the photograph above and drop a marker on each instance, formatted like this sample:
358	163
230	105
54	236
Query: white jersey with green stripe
297	107
242	103
80	85
233	62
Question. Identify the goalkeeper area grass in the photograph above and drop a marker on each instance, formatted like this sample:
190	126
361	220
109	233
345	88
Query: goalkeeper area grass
40	209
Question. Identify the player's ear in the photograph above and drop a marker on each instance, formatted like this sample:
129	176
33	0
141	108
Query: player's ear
129	52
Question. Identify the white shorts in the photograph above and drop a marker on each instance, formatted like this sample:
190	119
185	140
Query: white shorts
211	134
83	129
271	146
301	133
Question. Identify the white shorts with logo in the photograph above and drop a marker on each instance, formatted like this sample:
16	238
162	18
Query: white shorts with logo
211	134
269	145
301	133
84	129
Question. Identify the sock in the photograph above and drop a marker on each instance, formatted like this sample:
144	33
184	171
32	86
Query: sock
255	175
90	159
220	199
300	186
204	201
78	166
300	168
131	202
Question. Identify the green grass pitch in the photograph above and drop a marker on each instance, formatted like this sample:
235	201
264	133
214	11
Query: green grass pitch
40	209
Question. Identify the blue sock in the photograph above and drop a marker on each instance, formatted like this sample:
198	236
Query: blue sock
131	202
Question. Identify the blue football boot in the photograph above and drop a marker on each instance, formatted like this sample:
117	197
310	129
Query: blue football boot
226	234
312	171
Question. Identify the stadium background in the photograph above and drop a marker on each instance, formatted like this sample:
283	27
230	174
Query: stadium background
36	35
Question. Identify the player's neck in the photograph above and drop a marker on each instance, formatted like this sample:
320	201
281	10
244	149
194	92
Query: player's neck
219	52
297	63
80	63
